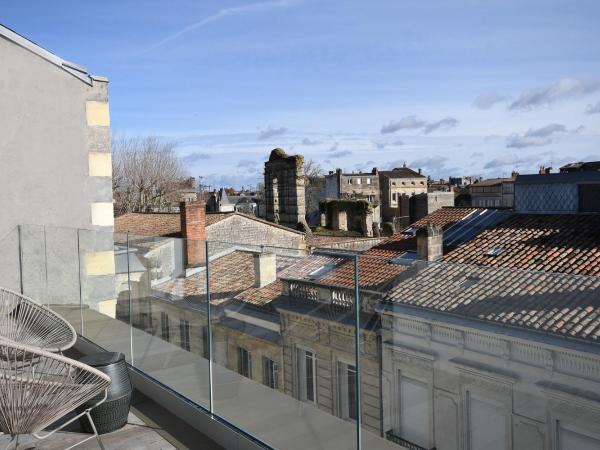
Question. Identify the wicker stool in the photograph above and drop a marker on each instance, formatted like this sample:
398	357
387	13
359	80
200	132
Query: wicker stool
112	414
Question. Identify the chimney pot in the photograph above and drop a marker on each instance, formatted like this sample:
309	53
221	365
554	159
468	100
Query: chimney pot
265	269
430	243
193	231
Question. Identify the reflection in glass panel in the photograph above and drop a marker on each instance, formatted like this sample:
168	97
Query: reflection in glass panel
487	425
347	390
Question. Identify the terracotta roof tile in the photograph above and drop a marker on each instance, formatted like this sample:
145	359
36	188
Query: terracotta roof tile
374	267
149	224
551	243
566	305
230	275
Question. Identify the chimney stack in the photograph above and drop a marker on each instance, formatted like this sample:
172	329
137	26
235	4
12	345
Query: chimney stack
193	230
430	243
265	269
419	171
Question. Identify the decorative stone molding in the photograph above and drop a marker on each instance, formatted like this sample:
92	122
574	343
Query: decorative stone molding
509	348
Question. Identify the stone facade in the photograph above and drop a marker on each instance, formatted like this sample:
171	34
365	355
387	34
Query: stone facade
526	391
396	185
362	185
238	229
332	343
347	215
285	189
497	193
411	208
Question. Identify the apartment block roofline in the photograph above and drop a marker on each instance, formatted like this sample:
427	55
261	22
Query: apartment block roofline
76	70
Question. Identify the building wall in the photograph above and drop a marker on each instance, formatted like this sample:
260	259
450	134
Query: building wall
499	195
149	313
393	188
284	189
56	173
424	204
332	185
547	198
332	342
530	384
360	185
315	191
240	230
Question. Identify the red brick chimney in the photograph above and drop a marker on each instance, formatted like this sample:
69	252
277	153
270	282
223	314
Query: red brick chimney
193	230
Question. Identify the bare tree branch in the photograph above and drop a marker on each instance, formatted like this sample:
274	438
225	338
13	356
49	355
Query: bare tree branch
147	173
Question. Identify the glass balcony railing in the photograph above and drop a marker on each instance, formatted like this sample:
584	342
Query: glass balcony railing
333	350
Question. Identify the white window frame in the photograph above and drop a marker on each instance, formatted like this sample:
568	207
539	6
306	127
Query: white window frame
165	329
244	364
184	334
301	374
345	411
399	405
270	373
368	179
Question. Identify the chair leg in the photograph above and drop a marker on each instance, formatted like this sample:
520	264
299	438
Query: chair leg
94	430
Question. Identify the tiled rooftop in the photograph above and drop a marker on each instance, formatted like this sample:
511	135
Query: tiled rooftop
229	275
549	243
169	224
300	269
566	305
149	224
374	266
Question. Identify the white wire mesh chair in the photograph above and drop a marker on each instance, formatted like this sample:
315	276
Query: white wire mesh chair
37	388
25	321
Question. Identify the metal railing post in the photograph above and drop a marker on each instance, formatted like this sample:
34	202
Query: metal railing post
129	299
209	331
357	355
79	280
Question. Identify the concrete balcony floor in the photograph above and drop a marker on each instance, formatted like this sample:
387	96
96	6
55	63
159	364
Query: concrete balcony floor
135	435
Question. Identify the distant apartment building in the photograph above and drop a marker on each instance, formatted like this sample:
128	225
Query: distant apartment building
395	184
55	147
495	192
361	185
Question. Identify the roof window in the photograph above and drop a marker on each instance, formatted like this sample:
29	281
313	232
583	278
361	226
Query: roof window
496	251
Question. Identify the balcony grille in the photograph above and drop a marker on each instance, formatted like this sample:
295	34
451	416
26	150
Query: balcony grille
390	436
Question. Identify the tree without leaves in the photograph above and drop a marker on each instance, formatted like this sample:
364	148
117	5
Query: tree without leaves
312	169
146	173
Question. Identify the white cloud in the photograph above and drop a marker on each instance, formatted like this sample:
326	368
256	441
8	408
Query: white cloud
195	157
487	101
271	132
414	123
593	109
406	123
564	89
444	124
535	137
309	142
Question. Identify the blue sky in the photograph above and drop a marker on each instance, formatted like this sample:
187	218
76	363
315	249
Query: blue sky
454	87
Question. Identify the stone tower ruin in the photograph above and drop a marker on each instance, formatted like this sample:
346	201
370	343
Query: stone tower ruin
284	189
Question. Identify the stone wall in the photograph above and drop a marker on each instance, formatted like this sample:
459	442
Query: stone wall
332	343
285	189
530	384
242	230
